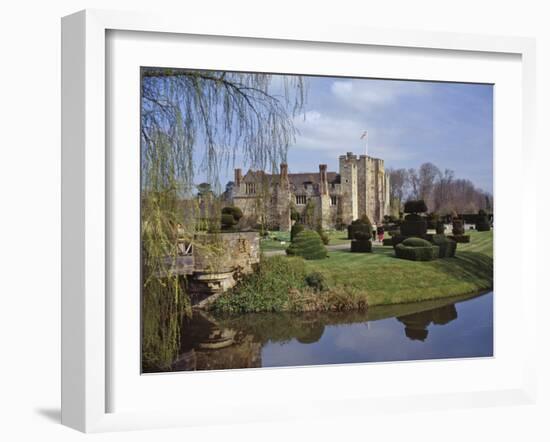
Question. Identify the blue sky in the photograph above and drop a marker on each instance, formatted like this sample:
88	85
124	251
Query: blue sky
408	123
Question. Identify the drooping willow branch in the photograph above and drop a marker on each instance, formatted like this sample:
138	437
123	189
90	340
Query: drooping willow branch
222	112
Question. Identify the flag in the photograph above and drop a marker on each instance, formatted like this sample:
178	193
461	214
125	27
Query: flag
364	135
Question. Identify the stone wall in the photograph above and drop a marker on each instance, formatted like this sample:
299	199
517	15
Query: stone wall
219	260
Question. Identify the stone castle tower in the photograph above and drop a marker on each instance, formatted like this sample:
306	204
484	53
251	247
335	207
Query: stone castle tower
335	199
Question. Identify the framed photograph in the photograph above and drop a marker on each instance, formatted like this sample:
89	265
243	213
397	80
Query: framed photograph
250	214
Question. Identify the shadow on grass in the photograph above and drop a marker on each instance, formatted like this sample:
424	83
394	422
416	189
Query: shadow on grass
468	266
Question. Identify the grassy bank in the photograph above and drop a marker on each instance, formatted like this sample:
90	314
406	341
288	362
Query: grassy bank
388	280
354	279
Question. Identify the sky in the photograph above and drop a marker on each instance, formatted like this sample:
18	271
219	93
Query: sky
407	123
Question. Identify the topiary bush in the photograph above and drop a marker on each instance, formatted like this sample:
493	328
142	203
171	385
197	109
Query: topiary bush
230	217
415	253
440	228
413	225
296	228
482	221
324	235
387	242
362	224
228	222
458	226
432	219
415	206
416	242
361	243
308	245
447	247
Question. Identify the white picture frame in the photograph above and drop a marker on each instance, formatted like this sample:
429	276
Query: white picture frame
85	199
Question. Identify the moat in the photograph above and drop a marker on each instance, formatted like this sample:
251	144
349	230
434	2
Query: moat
445	328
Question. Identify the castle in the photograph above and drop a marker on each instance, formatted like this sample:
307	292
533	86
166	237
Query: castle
327	199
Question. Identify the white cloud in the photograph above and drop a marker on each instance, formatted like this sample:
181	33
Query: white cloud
364	94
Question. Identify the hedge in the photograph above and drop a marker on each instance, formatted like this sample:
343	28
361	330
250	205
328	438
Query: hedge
447	247
387	242
426	253
308	245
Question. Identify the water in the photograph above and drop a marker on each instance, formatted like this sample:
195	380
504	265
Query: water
450	328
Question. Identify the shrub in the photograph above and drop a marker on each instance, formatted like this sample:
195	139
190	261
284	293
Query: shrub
317	282
426	253
447	247
416	242
458	227
296	228
228	221
440	228
267	289
415	206
361	246
236	212
460	238
432	220
362	224
387	242
308	245
393	232
413	226
482	221
398	239
324	236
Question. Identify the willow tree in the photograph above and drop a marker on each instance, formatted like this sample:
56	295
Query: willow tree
198	121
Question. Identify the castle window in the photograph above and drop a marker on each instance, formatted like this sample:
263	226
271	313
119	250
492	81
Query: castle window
301	199
250	188
333	200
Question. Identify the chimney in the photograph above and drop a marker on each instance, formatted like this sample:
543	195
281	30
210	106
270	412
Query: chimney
238	177
323	184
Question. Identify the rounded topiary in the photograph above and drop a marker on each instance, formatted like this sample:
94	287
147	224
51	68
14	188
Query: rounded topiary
236	212
228	221
308	245
416	242
440	228
415	206
296	228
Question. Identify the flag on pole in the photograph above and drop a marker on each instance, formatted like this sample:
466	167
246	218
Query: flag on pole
364	136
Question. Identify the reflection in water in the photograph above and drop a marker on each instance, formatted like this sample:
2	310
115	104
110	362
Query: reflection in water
416	324
458	327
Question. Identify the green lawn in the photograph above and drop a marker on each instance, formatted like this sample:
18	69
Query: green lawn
388	280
